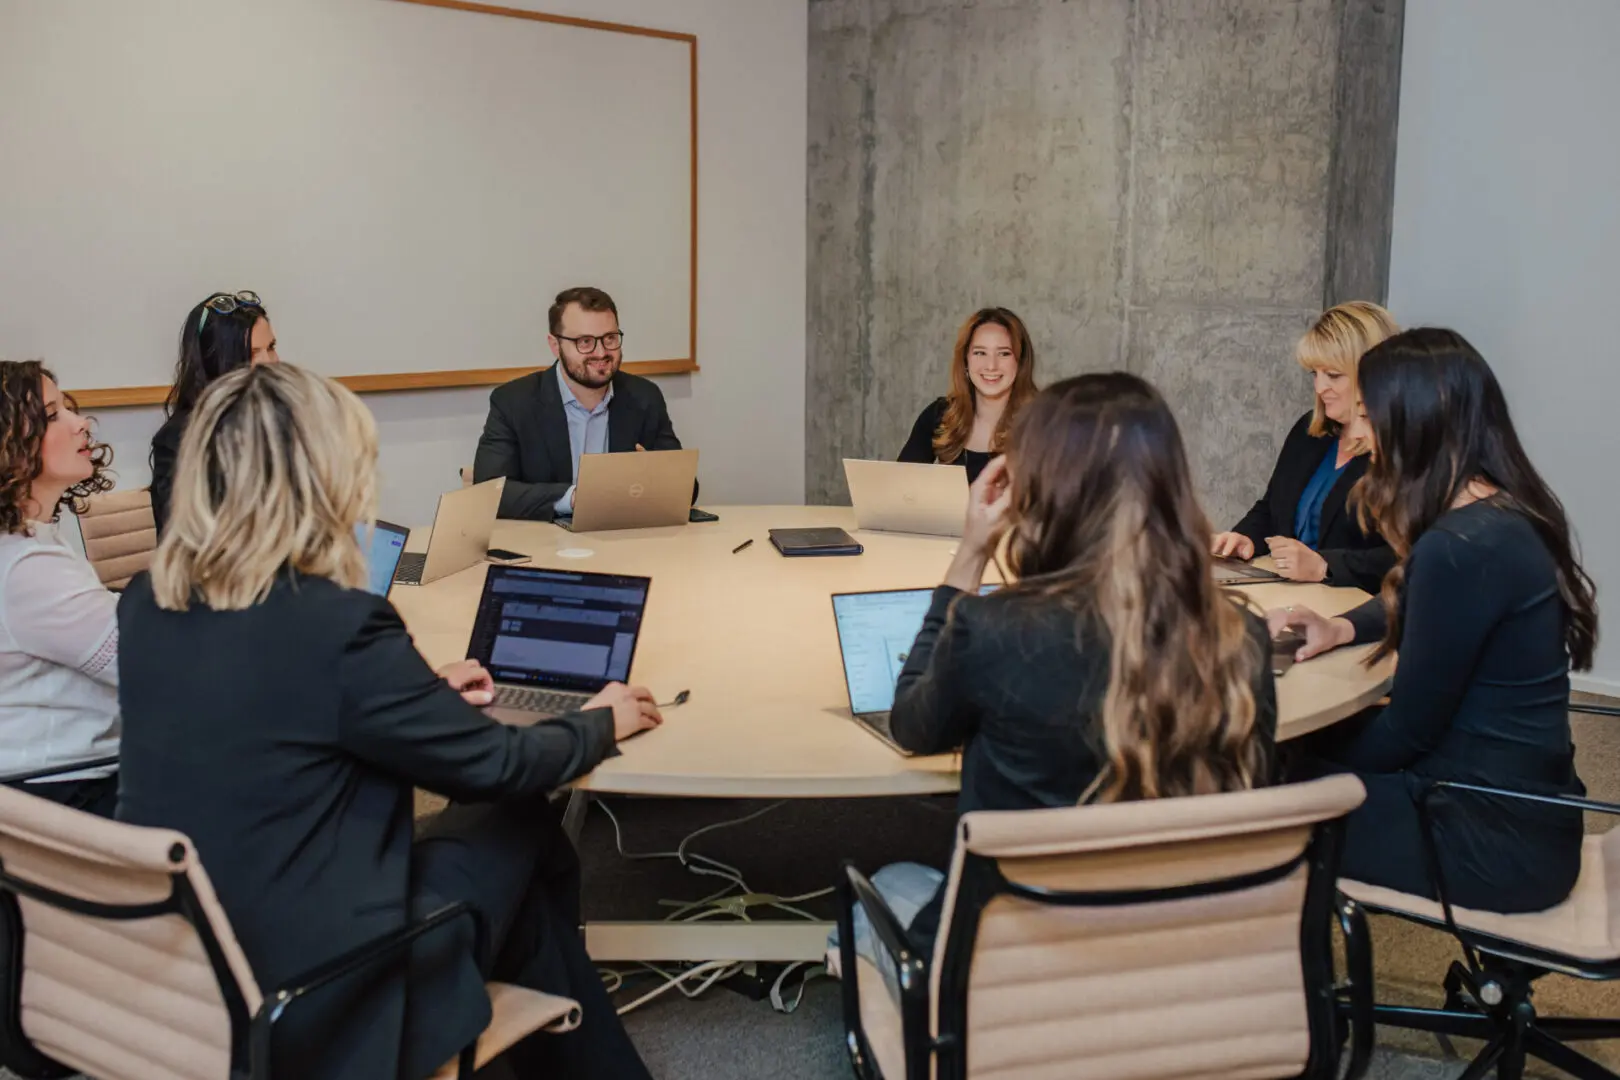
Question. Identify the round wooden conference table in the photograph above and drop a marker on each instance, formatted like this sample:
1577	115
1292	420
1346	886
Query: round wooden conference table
751	635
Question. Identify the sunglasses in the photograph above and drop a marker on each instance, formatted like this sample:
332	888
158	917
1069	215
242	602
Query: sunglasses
225	303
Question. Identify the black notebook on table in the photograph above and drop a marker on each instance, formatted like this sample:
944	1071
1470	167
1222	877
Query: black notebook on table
828	541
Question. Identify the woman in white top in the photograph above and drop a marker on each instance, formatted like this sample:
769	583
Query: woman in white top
58	623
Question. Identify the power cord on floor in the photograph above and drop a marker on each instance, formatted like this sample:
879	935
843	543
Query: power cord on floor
734	900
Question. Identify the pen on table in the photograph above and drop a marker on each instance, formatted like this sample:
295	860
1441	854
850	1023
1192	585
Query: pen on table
742	545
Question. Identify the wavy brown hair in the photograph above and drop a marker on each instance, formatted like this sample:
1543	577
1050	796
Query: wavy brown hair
1103	518
22	436
957	423
1440	422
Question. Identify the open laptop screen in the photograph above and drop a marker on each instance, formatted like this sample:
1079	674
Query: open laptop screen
875	633
387	544
558	629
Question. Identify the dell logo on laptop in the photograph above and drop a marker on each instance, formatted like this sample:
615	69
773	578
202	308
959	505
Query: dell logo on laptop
637	491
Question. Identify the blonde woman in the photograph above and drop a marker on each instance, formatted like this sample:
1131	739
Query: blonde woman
992	376
58	627
281	717
1113	668
1301	519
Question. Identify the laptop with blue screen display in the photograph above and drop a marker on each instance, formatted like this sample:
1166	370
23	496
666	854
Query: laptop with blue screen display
383	548
552	639
875	633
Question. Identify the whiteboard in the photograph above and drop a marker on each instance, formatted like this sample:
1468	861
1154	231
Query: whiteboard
406	186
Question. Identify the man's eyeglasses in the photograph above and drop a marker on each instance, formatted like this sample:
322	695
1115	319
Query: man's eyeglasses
225	303
587	342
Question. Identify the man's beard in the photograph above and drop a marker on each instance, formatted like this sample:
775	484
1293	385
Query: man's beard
580	372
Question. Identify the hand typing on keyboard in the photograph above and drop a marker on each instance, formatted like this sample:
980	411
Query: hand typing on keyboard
634	709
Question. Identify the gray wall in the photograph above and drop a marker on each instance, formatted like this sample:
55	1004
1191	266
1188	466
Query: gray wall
1173	187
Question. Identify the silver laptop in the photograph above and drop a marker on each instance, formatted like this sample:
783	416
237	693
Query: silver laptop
1238	572
899	496
461	528
636	490
876	631
552	639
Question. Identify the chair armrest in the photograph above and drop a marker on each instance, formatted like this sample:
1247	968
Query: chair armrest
1356	1002
1574	802
855	888
361	956
59	770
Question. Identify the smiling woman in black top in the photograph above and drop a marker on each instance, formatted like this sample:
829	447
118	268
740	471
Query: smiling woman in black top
1301	519
1489	609
992	376
1112	667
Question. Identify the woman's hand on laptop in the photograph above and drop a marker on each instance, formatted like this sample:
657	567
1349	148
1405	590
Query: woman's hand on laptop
634	709
1231	545
1295	561
469	679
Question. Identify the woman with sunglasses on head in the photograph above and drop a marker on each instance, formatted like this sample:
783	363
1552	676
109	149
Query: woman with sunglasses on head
1111	667
225	332
58	629
1489	609
992	376
280	715
1301	520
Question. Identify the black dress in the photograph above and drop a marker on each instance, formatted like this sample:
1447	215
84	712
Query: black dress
919	448
1018	683
1481	696
1353	557
165	451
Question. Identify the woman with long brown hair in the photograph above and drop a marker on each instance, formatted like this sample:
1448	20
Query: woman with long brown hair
1111	667
58	629
992	377
1490	609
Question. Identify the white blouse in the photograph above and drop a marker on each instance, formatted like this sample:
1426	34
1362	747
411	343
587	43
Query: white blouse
58	657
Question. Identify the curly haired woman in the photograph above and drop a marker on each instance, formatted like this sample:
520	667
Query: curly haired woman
58	623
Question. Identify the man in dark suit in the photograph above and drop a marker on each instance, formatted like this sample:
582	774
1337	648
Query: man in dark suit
541	424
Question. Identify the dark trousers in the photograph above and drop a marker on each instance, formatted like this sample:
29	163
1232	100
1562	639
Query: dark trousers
514	865
98	796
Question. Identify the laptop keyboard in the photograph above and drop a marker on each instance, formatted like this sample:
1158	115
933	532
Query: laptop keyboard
411	565
544	702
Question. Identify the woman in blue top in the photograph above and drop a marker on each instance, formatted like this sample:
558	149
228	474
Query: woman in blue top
1301	519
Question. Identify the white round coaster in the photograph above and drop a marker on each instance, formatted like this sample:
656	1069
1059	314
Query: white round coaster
574	553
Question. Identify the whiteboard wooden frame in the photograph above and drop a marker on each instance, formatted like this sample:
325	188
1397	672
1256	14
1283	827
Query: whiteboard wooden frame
120	397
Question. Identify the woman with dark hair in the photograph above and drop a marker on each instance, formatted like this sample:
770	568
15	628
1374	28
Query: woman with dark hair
1489	608
1111	667
58	627
225	332
992	377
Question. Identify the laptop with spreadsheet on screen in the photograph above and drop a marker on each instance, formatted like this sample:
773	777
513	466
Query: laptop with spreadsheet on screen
552	639
875	633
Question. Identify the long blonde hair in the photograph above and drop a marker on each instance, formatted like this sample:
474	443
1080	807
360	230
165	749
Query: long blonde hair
277	467
1336	341
957	422
1103	519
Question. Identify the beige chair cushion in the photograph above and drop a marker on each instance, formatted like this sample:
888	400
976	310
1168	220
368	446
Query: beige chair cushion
518	1012
880	1019
117	999
1586	926
1207	985
466	476
119	535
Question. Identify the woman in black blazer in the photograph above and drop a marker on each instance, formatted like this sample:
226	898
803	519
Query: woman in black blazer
1303	519
225	332
1059	687
280	716
992	377
1489	609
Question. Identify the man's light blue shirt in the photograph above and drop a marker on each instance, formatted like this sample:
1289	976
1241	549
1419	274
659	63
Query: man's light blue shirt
587	432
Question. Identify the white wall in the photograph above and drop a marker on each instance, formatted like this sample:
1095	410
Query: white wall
744	411
1507	228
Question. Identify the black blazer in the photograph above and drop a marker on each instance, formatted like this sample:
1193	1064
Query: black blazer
525	438
1018	683
285	740
165	450
1353	557
919	447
